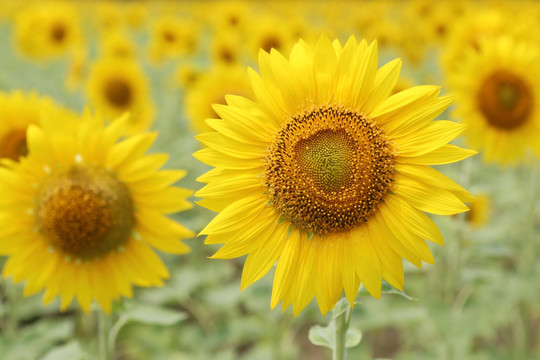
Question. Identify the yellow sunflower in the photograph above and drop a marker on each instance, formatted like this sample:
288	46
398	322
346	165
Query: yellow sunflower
227	16
115	86
211	88
484	23
270	32
186	75
497	95
18	110
327	175
172	37
89	210
118	44
47	29
480	212
226	48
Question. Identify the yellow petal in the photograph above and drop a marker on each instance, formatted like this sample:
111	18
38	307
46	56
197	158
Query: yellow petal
235	215
433	200
429	138
445	154
258	263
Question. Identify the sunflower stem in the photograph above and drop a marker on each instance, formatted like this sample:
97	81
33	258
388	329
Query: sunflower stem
342	322
10	323
527	257
104	326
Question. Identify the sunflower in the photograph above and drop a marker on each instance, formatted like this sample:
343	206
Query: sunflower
484	23
327	175
118	44
227	16
270	32
186	75
89	210
480	211
497	93
116	85
172	37
18	110
47	30
226	48
211	88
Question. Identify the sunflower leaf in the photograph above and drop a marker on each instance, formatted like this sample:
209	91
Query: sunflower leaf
322	336
353	337
386	288
70	351
152	315
341	306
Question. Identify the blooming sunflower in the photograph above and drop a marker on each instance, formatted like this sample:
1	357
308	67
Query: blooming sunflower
17	111
89	210
497	93
270	32
116	85
327	175
47	30
118	44
172	37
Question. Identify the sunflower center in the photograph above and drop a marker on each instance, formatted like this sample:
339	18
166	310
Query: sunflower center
58	32
270	42
327	159
328	169
169	36
84	212
118	92
13	144
505	100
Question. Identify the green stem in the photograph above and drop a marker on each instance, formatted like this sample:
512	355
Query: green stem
104	325
527	255
528	250
342	322
454	255
10	325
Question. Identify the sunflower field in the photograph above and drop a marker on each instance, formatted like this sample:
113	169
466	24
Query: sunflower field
272	180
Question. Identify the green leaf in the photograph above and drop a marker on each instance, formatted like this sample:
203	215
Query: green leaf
353	337
152	315
69	351
326	336
386	288
341	306
322	336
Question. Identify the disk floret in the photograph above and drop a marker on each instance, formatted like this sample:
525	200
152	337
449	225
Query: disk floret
505	100
328	169
85	212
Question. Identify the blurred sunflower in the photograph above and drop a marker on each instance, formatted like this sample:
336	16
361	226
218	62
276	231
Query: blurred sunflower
47	29
483	23
88	210
17	111
187	75
231	16
211	88
78	66
226	49
497	93
480	209
327	174
270	32
118	44
172	37
116	86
